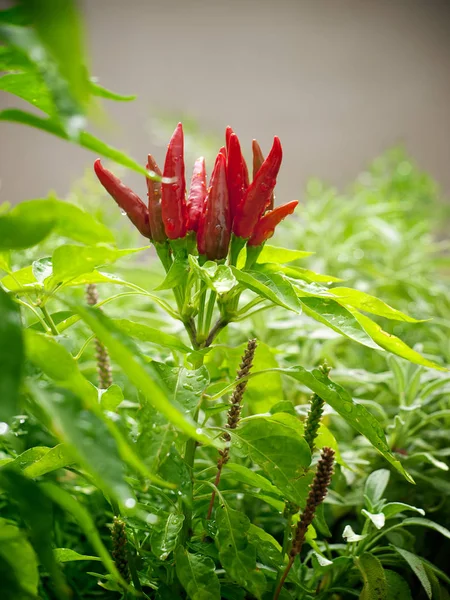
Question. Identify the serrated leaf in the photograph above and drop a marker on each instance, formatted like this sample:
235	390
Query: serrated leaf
276	444
186	385
197	575
11	356
164	538
338	318
273	286
237	554
375	584
417	567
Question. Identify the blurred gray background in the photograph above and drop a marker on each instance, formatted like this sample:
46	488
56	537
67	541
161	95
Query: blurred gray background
338	80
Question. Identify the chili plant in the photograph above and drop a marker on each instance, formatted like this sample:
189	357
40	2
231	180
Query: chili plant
177	430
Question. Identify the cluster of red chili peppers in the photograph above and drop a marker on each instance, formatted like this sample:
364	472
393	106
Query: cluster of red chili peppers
229	208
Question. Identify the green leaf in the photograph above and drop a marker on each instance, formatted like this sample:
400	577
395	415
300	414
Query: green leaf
274	287
134	368
29	87
356	415
397	586
375	584
17	551
63	555
218	278
102	92
245	475
278	255
5	262
237	554
55	458
185	385
30	222
308	275
42	269
276	444
392	509
156	436
164	537
90	442
393	344
196	574
375	485
60	366
417	567
370	304
70	261
35	510
177	272
111	398
71	505
19	279
11	356
85	139
426	523
338	318
267	547
144	333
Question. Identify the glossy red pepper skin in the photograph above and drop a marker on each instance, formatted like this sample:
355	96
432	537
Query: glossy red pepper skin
258	159
237	173
128	201
197	194
257	197
154	204
213	237
266	225
173	195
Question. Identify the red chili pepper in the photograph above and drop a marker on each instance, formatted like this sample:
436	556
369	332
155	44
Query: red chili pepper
173	198
258	159
125	197
154	203
257	197
197	194
237	173
266	225
213	237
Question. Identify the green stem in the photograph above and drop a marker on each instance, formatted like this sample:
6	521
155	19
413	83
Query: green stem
49	320
201	310
35	312
210	310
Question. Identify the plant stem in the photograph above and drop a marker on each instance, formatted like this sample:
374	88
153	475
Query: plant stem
210	309
49	320
217	328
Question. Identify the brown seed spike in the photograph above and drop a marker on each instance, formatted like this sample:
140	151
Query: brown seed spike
317	492
104	370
